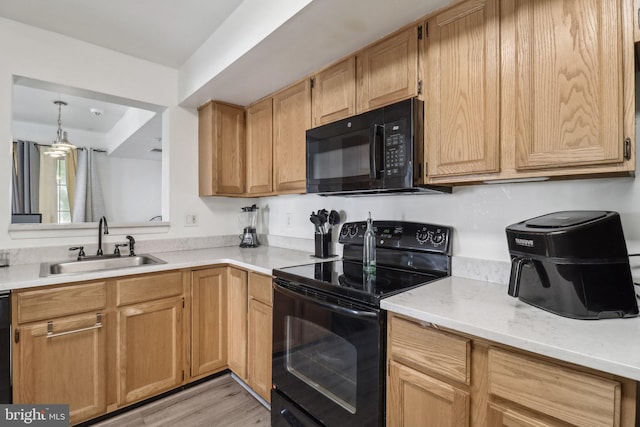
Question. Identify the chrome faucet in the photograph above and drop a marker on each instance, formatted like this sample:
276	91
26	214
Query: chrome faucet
103	220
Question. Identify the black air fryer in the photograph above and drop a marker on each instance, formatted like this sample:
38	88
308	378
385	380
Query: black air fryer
572	263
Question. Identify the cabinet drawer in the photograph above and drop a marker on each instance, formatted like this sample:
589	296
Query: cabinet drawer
260	288
149	287
436	351
566	394
50	303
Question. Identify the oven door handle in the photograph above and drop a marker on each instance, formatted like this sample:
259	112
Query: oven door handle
326	304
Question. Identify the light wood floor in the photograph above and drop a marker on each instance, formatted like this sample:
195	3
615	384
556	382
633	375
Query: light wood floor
221	402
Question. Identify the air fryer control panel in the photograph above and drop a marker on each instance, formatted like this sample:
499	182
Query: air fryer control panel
400	235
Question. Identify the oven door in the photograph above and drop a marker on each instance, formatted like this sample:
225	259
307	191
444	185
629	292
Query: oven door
328	357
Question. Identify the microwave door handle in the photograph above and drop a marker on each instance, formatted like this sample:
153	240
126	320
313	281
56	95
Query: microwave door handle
375	157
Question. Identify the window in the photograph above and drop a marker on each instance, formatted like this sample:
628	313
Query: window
62	195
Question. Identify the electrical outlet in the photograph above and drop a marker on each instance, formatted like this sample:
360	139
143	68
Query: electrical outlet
288	219
191	220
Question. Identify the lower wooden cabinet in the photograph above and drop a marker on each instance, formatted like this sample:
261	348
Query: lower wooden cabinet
260	333
414	398
237	321
442	378
208	321
63	361
101	346
149	349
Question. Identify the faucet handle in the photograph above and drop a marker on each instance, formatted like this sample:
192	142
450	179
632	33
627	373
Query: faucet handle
116	252
132	243
81	254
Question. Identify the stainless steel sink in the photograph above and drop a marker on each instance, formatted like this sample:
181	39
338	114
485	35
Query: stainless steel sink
100	263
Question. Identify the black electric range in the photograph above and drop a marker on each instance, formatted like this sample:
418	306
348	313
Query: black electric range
409	254
329	332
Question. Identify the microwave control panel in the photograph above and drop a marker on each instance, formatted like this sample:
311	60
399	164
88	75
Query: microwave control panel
395	155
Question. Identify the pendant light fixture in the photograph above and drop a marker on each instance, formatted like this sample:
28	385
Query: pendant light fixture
61	146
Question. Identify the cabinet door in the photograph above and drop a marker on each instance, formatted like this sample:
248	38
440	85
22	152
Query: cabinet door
260	148
568	83
502	417
462	97
221	149
291	119
237	321
636	21
388	71
150	348
415	400
63	361
208	321
334	92
259	358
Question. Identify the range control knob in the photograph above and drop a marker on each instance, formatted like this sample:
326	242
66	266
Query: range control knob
345	231
438	238
423	235
353	231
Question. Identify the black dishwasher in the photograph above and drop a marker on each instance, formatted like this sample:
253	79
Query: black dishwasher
5	348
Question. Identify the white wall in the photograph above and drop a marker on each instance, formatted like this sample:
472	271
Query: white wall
38	54
479	214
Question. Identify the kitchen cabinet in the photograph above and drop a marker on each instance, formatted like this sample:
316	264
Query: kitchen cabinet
569	83
221	143
237	321
208	321
387	71
430	371
259	148
334	92
59	350
465	380
260	334
150	346
291	119
636	20
462	116
565	80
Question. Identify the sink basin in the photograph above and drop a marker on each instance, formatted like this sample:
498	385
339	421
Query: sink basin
101	263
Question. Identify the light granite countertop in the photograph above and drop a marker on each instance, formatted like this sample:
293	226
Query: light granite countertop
262	260
485	310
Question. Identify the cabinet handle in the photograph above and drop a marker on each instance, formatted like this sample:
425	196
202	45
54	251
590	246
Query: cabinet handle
50	333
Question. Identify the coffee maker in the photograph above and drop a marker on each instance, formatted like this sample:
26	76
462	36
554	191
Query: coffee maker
248	218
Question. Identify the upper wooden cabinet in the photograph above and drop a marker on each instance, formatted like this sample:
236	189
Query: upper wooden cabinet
569	78
334	92
291	119
564	76
462	96
636	20
221	149
388	70
259	148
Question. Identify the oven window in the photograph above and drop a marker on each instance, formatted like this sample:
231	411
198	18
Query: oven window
323	360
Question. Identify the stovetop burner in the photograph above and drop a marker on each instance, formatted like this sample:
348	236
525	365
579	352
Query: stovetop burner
346	278
409	254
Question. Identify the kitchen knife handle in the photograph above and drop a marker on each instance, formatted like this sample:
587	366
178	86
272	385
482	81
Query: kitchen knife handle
514	278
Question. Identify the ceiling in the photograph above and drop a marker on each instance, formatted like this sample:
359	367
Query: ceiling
166	32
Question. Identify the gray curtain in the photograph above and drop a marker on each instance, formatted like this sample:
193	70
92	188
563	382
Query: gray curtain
88	203
26	177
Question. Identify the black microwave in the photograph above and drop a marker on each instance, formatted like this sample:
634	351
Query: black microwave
379	151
